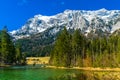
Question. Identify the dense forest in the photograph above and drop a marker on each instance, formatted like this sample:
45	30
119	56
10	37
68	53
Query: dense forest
75	49
10	53
37	45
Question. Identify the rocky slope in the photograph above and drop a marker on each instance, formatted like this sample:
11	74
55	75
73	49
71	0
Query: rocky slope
104	21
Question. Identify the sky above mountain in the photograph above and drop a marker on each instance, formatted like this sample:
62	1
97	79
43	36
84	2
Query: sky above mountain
14	13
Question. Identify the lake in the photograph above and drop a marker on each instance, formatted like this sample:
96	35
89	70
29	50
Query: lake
17	73
23	73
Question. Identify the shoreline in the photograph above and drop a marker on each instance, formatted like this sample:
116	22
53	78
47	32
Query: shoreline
87	68
1	65
76	68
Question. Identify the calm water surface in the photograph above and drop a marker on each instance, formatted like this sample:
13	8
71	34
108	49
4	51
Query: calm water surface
33	73
17	73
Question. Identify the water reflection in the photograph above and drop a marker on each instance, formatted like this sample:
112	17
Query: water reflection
88	75
25	73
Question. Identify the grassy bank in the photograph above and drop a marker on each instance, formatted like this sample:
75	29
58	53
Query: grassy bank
87	68
89	75
45	60
4	65
37	60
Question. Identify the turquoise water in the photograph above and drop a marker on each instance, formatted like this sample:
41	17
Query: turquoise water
17	73
37	73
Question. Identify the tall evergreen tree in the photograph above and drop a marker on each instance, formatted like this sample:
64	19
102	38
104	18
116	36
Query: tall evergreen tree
18	54
0	52
7	48
62	50
77	48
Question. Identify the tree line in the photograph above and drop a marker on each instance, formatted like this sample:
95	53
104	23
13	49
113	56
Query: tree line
75	49
10	53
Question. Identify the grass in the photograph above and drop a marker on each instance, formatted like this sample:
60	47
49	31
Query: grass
37	60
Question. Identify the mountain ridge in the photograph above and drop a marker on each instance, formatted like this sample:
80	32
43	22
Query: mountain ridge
87	21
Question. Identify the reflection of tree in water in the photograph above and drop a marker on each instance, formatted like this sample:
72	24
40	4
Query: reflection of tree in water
88	75
64	77
34	63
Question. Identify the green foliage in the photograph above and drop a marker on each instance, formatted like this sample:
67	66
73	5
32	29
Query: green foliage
18	54
9	54
78	47
62	50
36	45
7	48
78	50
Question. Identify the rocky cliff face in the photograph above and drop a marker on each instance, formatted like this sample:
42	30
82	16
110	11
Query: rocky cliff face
104	21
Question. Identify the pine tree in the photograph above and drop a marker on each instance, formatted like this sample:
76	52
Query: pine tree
62	51
7	48
18	54
77	48
0	52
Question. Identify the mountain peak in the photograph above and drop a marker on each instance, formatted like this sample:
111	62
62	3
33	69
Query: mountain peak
103	20
103	9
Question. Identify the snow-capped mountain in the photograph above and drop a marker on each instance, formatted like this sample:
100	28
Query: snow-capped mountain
87	21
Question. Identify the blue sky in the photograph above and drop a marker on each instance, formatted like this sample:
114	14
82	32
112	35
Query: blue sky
14	13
